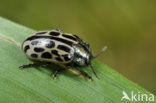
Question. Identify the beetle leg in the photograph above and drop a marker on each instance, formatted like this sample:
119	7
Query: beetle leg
61	70
28	65
45	64
84	73
57	72
34	65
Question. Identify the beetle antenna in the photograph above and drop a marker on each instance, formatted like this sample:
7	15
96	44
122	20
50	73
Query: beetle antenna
104	49
90	65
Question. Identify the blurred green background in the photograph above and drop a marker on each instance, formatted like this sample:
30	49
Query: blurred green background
127	27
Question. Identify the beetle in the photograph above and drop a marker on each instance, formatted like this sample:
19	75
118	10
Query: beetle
54	46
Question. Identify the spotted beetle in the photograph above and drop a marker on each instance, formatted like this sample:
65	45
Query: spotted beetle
54	46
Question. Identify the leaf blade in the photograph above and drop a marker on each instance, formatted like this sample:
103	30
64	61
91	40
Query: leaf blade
68	88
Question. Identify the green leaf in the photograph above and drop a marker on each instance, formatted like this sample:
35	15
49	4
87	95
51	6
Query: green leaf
35	85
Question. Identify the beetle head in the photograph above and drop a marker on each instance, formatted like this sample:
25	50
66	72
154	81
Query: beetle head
83	55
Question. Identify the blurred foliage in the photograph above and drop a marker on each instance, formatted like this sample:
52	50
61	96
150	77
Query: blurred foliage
127	27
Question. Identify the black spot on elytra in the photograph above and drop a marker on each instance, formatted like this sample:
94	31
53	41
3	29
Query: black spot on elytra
38	49
77	38
66	57
52	38
59	59
55	52
69	37
26	48
46	55
64	48
43	32
54	33
51	44
35	42
34	55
